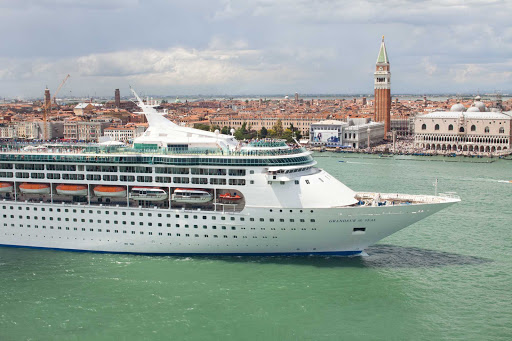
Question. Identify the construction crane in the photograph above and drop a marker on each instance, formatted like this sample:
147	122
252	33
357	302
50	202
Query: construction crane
48	108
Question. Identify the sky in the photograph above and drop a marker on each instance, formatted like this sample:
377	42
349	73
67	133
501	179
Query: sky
251	47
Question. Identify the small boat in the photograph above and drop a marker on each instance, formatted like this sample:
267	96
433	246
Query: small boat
75	190
110	191
148	194
6	187
34	188
229	196
191	195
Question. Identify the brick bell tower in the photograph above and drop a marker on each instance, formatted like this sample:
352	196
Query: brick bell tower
382	88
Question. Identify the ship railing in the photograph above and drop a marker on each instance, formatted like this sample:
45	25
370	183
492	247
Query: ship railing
267	143
166	151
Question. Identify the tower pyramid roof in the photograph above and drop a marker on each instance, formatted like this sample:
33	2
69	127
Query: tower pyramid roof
383	54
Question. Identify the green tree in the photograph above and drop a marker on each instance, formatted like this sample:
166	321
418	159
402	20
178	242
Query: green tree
288	135
241	132
296	131
277	129
263	132
202	126
225	130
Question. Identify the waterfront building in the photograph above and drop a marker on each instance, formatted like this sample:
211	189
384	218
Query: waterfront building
352	133
84	131
123	134
31	130
382	88
258	121
475	129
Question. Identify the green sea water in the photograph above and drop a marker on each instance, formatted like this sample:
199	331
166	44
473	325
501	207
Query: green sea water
448	277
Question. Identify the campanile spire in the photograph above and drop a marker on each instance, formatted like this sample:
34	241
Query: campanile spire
382	88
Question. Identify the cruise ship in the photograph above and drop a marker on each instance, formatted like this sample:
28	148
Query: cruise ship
183	191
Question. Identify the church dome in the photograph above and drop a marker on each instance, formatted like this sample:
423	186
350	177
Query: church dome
479	105
473	109
457	107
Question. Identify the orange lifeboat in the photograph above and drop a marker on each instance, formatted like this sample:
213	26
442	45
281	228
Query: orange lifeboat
6	187
28	188
229	196
110	191
75	190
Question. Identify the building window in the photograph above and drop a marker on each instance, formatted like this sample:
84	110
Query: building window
436	127
486	129
450	127
461	129
423	126
473	127
502	130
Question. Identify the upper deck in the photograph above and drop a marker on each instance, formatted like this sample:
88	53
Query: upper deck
244	156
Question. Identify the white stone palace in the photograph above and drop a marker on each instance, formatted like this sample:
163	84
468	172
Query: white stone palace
476	129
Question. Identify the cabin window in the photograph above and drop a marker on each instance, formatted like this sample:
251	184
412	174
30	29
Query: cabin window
237	172
237	182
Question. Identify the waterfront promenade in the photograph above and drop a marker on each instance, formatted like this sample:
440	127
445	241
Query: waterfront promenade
406	147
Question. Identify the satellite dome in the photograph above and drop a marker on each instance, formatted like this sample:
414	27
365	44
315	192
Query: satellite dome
473	109
457	107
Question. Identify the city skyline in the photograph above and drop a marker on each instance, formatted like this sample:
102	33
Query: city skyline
258	47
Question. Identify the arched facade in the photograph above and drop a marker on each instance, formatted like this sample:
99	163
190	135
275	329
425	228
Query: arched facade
470	132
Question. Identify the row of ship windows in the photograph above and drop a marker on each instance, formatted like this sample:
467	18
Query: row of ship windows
127	169
160	224
83	229
142	232
160	215
126	178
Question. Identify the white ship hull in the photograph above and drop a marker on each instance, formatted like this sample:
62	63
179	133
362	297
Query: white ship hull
333	230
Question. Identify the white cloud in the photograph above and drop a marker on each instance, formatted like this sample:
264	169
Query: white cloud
429	67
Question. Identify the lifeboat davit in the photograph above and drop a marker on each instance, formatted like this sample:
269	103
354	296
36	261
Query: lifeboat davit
110	191
6	187
75	190
230	197
148	194
28	188
191	195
